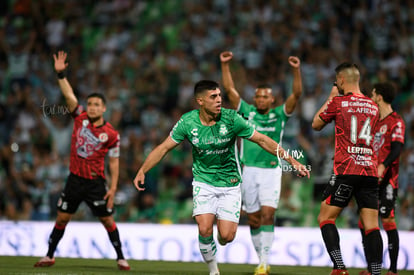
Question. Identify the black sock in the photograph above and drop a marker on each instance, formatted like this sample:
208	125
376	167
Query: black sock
331	238
393	248
116	243
363	243
374	246
54	238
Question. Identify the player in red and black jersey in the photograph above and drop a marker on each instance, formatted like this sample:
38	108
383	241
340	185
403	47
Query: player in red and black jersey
92	139
388	144
355	166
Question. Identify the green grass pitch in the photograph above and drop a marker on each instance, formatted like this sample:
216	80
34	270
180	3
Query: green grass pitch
74	266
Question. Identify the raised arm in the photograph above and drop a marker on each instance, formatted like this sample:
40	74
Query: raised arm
274	148
153	158
292	100
318	123
67	91
228	83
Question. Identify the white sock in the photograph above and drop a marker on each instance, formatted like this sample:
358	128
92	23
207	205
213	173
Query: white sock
267	236
212	266
256	240
208	250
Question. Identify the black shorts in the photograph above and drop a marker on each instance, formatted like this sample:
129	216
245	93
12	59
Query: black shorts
387	198
342	188
91	191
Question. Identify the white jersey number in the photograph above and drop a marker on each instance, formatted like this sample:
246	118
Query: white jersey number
365	132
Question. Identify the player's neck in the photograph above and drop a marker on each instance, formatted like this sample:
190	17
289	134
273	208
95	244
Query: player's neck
97	121
263	112
351	88
208	119
352	91
385	110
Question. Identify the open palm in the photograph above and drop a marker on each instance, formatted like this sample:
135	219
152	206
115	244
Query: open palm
60	61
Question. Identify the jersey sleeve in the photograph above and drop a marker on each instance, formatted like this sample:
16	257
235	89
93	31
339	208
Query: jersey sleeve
244	108
114	148
78	111
178	133
330	111
398	131
242	127
281	111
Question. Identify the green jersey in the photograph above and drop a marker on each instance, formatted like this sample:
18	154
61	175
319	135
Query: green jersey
215	156
272	125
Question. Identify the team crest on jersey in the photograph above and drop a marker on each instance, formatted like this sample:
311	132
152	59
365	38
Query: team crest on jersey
383	129
85	123
223	130
271	115
103	137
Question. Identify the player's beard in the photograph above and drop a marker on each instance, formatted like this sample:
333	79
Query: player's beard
94	119
262	110
217	117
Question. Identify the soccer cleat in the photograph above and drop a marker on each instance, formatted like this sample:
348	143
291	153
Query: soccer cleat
215	273
262	269
45	262
339	272
391	273
123	264
364	272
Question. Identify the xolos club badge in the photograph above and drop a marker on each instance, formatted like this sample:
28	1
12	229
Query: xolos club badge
103	137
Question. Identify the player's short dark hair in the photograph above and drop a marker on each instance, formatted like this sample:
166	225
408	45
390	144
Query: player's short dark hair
386	90
98	95
204	85
345	65
264	86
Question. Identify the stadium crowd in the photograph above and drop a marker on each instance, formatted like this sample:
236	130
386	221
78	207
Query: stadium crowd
145	56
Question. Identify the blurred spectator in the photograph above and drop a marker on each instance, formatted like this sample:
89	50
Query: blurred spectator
17	43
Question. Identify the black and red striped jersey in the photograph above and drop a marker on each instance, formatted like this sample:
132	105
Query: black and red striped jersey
355	117
90	144
389	129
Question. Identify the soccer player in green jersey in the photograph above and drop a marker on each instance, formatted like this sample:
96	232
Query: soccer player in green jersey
262	172
212	132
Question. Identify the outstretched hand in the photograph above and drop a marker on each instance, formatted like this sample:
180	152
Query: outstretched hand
226	56
60	61
300	169
294	61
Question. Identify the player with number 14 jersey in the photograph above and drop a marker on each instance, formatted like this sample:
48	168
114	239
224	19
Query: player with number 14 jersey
354	154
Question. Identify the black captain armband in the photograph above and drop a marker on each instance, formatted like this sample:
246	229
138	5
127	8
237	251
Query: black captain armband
60	75
334	85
